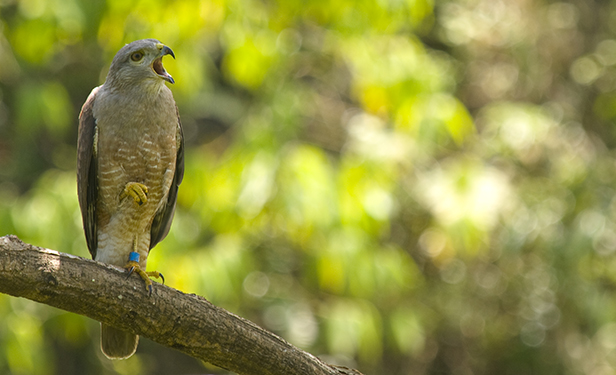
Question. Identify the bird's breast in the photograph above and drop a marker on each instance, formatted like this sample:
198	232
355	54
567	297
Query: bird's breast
136	143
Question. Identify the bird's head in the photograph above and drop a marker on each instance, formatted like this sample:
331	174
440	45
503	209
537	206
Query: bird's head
140	61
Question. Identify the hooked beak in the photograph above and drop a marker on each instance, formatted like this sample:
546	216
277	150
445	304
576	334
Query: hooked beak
157	64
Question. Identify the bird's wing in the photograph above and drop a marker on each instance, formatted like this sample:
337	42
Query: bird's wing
164	216
87	180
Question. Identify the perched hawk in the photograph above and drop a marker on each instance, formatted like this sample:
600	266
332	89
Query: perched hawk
130	163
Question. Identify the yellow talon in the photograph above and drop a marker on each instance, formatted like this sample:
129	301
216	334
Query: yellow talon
138	191
134	267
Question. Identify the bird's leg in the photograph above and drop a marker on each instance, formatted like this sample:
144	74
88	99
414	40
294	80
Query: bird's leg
133	266
138	191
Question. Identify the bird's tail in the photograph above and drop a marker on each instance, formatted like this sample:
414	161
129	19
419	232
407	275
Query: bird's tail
117	344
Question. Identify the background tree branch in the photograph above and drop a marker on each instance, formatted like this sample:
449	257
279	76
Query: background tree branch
185	322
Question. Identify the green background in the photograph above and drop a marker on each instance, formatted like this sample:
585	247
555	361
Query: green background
402	186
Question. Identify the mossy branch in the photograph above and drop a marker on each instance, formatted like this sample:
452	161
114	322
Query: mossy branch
185	322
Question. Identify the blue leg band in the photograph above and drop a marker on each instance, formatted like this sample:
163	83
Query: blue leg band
133	257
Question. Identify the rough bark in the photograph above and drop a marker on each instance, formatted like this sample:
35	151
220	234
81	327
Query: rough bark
185	322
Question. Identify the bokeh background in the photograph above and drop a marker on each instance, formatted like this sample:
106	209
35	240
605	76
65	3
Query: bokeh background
401	186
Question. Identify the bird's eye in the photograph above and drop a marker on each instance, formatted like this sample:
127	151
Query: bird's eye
137	56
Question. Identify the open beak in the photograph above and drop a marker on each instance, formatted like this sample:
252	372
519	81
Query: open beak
157	64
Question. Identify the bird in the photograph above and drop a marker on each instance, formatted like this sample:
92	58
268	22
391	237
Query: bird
130	163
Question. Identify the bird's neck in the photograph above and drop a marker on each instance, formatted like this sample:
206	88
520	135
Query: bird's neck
145	90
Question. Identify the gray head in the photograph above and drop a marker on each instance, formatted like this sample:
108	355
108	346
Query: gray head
139	61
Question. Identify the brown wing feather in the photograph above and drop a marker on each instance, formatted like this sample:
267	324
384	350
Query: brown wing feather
162	220
87	180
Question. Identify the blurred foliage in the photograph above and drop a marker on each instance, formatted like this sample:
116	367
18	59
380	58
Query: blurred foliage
405	187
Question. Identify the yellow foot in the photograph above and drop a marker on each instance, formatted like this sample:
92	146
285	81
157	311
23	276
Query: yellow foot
138	191
133	266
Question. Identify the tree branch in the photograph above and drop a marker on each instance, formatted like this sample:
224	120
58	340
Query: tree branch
185	322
